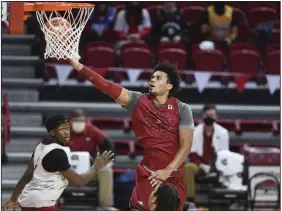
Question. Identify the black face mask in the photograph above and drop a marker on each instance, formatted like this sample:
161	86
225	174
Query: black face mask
209	121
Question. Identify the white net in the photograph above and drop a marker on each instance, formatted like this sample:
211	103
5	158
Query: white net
62	31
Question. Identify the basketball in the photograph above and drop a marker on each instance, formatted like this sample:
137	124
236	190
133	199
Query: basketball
58	23
59	27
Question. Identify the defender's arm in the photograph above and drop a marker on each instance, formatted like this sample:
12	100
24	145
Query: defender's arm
27	176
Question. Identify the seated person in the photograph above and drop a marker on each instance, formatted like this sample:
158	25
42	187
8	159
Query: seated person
209	138
101	22
220	23
133	23
86	137
171	26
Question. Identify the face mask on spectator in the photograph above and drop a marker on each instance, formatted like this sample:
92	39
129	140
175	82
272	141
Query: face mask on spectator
208	121
78	126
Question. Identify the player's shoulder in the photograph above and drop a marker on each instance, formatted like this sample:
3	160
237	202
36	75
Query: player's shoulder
46	141
183	106
54	156
57	153
138	95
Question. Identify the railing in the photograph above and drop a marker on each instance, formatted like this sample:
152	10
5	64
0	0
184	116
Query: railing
6	122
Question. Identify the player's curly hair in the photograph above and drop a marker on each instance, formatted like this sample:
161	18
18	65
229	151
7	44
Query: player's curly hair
171	71
168	198
54	121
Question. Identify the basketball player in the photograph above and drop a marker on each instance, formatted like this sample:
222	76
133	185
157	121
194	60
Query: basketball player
162	125
49	171
164	198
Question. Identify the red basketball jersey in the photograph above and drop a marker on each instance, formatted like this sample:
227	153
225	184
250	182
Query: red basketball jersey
156	130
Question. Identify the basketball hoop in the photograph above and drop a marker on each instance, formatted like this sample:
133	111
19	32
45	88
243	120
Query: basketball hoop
62	24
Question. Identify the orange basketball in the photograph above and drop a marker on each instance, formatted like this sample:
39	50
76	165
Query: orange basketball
58	22
60	27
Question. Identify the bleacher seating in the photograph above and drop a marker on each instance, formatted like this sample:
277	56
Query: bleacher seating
244	56
249	14
111	123
272	62
262	156
243	32
260	15
136	55
173	52
213	60
251	57
96	52
239	127
244	61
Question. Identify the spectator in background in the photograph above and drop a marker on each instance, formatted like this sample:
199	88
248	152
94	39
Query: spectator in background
209	138
220	23
171	26
86	137
101	22
133	23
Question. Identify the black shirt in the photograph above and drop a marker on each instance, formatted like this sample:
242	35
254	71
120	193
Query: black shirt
55	160
170	25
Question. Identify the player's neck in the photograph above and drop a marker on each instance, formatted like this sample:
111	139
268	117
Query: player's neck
160	100
58	142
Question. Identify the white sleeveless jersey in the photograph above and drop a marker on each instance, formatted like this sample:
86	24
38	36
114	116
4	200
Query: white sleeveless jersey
45	187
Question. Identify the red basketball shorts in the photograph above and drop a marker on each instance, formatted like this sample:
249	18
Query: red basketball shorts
143	189
53	208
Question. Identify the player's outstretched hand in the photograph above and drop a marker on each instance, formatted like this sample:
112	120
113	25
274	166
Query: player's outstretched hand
102	160
159	176
10	204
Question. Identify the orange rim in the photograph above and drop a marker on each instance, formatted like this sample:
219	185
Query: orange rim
80	5
52	6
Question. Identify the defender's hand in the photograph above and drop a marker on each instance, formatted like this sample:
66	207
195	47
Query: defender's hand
104	159
10	204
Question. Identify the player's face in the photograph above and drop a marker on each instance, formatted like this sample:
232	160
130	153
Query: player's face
158	84
152	201
62	133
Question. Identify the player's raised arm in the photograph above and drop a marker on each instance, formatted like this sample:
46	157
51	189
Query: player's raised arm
115	91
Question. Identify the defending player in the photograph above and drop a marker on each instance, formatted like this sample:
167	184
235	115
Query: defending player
162	125
164	198
49	171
